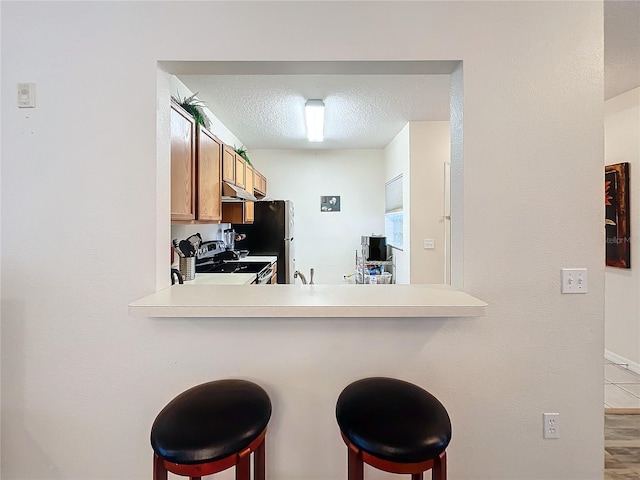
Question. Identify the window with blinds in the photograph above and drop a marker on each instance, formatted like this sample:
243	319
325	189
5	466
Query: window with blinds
393	212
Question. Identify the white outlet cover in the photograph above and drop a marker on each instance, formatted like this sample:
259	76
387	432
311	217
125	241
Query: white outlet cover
551	425
429	243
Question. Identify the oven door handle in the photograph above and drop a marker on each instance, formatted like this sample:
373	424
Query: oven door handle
268	273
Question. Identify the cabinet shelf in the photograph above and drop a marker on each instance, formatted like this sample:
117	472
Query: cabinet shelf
364	277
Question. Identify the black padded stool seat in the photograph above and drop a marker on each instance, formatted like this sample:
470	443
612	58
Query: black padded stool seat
210	423
393	425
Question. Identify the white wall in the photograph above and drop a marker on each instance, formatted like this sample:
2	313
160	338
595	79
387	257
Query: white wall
327	241
396	162
82	381
430	149
622	303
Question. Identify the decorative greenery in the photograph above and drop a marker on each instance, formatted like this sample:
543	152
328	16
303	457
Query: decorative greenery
194	107
243	153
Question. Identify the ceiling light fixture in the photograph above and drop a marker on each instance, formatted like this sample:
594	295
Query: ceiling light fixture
314	113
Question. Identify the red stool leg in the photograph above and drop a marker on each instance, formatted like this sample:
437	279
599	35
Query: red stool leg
243	467
259	462
355	465
416	476
440	467
195	478
159	472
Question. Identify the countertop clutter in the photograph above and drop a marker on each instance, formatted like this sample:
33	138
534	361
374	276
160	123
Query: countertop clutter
319	301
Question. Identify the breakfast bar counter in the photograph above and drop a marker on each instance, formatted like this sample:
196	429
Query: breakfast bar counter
343	300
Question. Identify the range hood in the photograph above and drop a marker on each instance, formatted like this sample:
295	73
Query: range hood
233	193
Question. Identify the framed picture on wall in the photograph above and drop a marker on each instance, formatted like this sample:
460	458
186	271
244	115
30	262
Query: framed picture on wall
330	203
616	220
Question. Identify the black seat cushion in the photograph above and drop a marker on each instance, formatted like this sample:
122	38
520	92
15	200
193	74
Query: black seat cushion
393	420
210	421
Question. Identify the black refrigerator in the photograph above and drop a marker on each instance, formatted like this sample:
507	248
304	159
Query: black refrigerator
271	234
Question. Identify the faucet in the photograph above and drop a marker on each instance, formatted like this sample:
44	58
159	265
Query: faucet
297	274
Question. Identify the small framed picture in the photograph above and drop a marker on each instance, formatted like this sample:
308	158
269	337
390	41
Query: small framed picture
330	203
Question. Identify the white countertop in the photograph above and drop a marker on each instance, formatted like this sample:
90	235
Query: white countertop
343	300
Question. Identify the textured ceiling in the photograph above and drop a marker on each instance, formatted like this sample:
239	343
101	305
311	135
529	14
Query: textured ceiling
361	111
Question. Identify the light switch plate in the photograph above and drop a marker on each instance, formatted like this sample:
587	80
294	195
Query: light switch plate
574	280
26	95
429	243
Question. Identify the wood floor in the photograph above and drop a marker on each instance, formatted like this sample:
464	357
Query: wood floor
622	447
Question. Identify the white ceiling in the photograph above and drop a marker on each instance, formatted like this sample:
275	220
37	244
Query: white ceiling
367	103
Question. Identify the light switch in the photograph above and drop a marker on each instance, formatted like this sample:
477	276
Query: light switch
26	95
429	243
574	280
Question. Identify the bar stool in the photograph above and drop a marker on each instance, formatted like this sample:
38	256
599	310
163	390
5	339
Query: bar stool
394	426
212	427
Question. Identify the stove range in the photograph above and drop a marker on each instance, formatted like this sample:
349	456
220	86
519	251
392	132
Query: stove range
263	270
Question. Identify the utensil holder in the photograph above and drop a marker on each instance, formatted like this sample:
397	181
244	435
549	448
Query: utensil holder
188	268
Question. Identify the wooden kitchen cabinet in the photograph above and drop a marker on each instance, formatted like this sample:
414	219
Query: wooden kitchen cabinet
209	185
183	165
196	194
260	185
235	212
228	164
240	212
233	167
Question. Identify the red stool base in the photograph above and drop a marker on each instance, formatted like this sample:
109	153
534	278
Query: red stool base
239	459
357	458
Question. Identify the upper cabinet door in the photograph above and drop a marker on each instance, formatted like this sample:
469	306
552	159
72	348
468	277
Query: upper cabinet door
183	157
228	164
249	215
259	184
240	171
209	184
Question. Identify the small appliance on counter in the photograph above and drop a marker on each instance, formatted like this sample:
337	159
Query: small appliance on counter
374	247
230	239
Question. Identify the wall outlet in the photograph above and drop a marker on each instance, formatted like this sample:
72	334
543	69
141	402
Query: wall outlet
574	280
551	425
429	243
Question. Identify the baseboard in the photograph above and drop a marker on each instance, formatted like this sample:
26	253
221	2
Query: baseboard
617	359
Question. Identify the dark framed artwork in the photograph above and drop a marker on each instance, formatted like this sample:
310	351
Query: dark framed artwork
616	220
330	203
